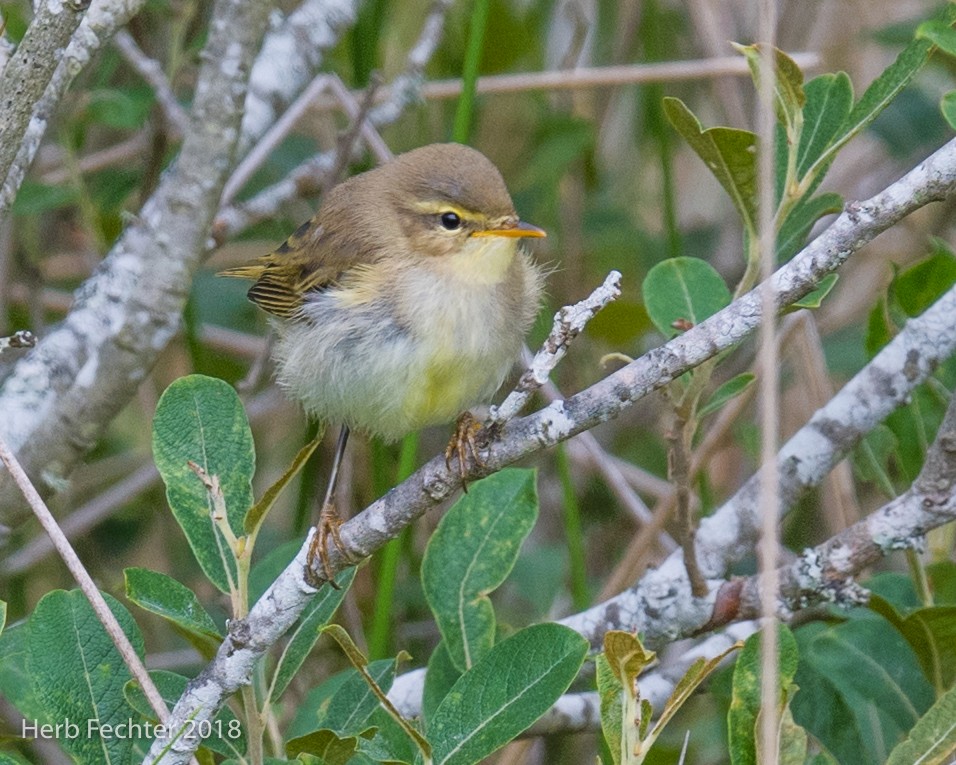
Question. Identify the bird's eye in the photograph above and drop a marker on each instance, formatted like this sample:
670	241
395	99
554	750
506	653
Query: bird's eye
451	221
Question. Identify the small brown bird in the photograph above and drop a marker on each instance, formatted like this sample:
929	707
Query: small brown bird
403	302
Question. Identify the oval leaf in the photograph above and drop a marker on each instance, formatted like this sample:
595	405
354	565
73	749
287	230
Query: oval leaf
504	693
932	741
730	389
201	419
79	675
164	596
682	291
729	153
471	552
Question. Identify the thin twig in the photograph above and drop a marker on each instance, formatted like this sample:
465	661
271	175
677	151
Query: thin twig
273	137
150	70
567	325
85	581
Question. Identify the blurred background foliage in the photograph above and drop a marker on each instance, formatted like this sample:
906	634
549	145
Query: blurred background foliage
599	168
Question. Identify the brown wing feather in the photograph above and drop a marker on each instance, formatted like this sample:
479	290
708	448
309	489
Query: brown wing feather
285	275
317	255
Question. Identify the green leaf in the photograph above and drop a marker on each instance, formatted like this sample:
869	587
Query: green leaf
624	718
931	633
887	86
861	688
515	683
3	615
258	512
745	702
730	154
932	741
225	733
325	744
947	105
164	596
814	298
17	684
682	291
730	389
307	631
611	693
79	675
200	419
699	671
788	95
829	100
439	678
360	662
921	285
469	556
348	710
123	110
36	198
941	34
793	233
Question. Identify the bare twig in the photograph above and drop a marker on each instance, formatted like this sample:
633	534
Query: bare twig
768	547
26	75
79	572
568	323
405	89
150	70
98	25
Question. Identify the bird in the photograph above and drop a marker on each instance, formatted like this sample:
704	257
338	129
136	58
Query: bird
402	303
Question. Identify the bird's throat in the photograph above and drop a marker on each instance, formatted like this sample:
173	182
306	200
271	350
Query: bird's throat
483	260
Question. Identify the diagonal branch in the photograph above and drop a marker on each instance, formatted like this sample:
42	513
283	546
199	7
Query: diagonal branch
60	397
29	70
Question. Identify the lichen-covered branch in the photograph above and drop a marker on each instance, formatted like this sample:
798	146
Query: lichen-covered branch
97	27
59	398
27	74
661	606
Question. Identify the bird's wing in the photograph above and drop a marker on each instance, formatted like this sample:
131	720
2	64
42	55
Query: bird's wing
304	262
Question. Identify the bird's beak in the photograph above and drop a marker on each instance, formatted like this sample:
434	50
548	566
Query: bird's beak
516	231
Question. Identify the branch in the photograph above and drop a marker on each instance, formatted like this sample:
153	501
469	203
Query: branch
61	396
660	606
26	75
292	52
97	26
826	572
405	89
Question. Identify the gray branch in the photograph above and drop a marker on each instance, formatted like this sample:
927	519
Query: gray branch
60	397
661	606
26	75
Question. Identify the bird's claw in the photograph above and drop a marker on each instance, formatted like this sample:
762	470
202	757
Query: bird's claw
467	440
327	526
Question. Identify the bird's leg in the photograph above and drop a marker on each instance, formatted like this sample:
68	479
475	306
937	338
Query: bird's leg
466	440
329	520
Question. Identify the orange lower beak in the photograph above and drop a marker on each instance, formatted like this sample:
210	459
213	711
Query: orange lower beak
520	229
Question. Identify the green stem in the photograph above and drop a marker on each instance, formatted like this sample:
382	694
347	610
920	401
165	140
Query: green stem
380	633
571	516
469	75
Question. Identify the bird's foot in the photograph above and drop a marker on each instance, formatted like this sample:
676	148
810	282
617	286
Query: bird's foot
326	528
468	439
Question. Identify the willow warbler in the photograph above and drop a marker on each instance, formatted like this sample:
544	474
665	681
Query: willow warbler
404	300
